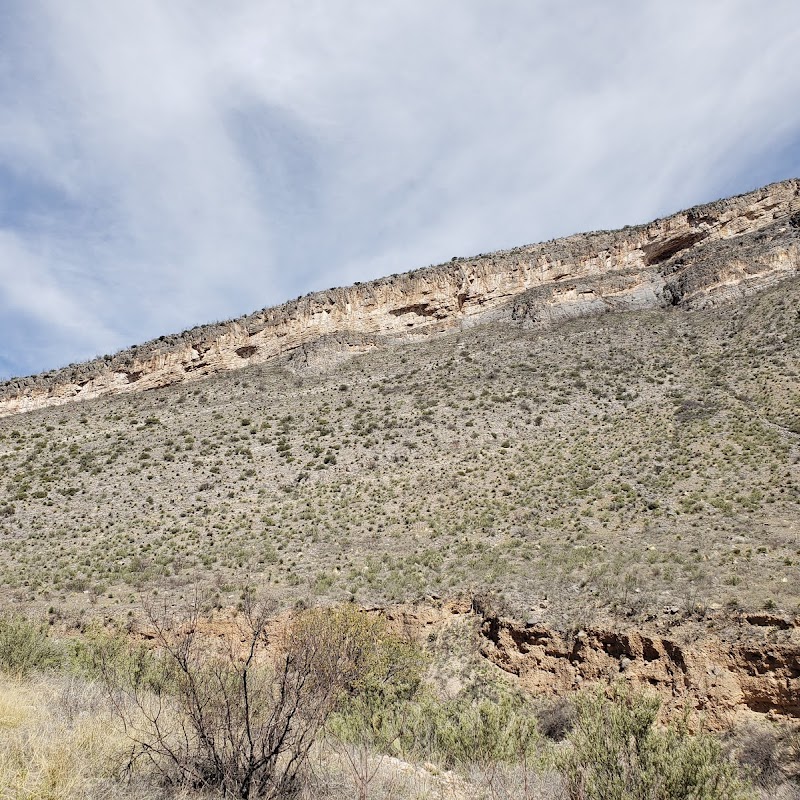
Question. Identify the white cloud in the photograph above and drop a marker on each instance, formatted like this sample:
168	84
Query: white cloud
38	315
173	163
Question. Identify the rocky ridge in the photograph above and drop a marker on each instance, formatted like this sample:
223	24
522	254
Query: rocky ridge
693	259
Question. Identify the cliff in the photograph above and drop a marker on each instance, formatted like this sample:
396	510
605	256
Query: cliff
690	260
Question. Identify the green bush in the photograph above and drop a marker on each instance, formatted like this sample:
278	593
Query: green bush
25	646
111	657
462	732
454	733
618	753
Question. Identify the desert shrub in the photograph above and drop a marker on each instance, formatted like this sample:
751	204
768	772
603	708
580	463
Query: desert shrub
769	754
456	732
119	662
461	732
556	718
618	753
760	755
239	713
25	646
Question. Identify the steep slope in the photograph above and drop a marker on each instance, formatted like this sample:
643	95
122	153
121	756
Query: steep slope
619	465
697	258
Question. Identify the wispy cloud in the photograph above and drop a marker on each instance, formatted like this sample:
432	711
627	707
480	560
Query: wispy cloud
166	164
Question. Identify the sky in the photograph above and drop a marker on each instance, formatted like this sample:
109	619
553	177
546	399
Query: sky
168	163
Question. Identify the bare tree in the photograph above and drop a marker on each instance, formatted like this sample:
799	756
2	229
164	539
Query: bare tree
238	712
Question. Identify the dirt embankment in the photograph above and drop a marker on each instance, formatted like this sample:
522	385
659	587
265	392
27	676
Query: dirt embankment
722	666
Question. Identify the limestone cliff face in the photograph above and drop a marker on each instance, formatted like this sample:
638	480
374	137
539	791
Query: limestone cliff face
709	254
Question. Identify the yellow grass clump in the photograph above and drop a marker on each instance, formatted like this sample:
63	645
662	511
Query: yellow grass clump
57	742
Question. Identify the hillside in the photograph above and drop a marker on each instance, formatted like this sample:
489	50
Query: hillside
589	471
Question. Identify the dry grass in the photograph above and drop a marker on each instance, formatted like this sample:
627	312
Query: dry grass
337	776
57	741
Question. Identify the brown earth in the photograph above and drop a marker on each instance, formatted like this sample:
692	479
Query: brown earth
719	668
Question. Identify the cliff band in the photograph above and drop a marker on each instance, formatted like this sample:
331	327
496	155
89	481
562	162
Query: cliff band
707	255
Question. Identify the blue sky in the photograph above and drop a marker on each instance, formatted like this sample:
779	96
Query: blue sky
165	164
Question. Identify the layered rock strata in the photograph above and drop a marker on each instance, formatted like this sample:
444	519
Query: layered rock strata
759	671
690	260
717	667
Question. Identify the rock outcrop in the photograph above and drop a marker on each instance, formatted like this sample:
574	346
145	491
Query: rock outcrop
756	668
717	667
690	260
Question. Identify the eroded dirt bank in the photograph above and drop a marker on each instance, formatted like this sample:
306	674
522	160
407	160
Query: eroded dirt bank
720	666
